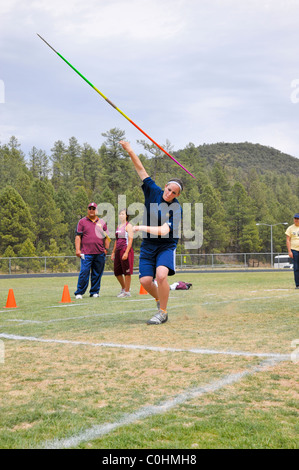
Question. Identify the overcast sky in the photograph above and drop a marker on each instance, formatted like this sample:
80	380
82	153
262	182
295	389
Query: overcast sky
200	71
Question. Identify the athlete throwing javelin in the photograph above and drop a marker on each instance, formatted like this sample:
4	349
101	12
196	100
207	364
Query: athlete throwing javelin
163	214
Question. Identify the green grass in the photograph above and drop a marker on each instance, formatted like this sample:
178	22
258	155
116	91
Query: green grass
51	390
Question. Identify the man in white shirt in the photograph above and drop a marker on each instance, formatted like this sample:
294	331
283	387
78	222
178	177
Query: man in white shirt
292	234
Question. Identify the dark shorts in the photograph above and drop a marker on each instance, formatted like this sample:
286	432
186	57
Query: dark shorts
153	255
123	267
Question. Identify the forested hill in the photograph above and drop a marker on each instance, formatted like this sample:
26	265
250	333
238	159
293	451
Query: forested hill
42	196
245	156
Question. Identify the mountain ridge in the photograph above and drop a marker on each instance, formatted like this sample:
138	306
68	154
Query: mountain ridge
246	155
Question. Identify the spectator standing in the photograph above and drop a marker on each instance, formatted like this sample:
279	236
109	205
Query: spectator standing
123	254
292	234
92	243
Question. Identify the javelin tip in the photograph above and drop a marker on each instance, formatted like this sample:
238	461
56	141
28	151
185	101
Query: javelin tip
46	43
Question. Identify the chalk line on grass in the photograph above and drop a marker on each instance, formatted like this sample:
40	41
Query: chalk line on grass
66	305
80	317
145	347
98	431
241	299
244	299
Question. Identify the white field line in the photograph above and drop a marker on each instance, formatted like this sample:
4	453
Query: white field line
243	299
215	302
78	303
93	315
247	299
145	347
98	431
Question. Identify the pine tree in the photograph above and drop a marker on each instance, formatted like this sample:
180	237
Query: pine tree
239	215
55	263
92	168
16	224
28	251
12	163
9	253
6	264
215	234
249	240
157	163
47	217
80	204
38	163
117	167
57	157
220	180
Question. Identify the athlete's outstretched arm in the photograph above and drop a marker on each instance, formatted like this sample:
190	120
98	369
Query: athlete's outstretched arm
159	230
135	159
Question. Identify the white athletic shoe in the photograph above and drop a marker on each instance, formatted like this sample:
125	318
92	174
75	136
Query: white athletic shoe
124	294
79	296
121	292
160	317
95	295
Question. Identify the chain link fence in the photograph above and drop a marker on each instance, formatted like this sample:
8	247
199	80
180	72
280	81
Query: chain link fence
71	264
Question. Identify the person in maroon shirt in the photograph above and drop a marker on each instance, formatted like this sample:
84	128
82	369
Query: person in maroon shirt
123	254
92	243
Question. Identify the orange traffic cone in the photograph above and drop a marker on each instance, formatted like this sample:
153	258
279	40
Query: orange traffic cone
142	290
66	298
11	303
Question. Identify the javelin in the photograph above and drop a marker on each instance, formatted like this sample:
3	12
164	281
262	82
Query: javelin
115	107
105	233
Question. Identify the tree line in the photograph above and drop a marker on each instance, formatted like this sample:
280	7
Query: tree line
43	196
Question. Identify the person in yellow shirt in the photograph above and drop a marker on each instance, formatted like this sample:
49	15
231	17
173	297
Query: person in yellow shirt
292	233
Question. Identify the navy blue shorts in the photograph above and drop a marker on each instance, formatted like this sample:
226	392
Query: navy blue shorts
153	255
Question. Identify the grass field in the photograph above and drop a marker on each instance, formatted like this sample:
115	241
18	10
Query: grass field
221	373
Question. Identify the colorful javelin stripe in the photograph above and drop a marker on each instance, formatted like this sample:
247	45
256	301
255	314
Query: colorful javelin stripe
115	107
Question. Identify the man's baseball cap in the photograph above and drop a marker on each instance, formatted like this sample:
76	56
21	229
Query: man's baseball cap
296	216
92	204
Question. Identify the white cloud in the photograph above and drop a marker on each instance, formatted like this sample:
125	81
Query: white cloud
143	21
94	19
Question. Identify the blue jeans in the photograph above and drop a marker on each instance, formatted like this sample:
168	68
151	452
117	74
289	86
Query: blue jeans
93	266
296	266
